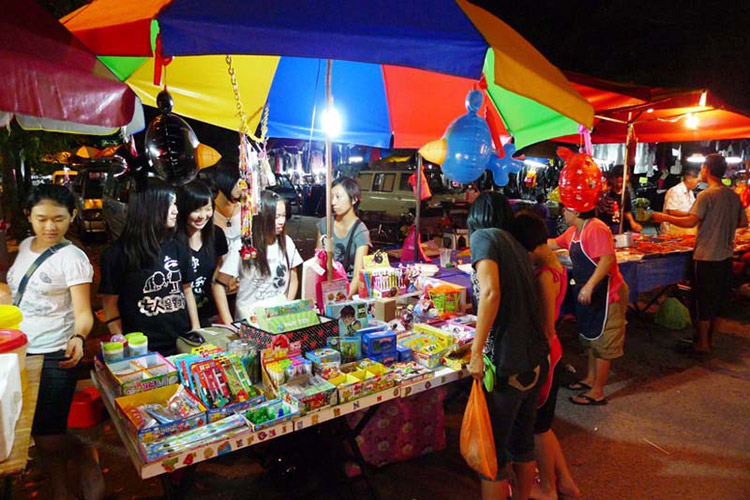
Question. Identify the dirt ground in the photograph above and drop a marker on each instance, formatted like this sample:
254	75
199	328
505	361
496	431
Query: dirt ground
674	428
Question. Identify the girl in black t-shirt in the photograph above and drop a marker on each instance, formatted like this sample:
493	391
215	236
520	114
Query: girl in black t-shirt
206	242
147	275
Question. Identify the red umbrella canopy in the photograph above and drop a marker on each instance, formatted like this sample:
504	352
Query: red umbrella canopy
47	73
658	114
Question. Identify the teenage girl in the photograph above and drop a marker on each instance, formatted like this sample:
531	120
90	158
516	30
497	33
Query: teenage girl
56	306
271	274
206	242
147	275
351	238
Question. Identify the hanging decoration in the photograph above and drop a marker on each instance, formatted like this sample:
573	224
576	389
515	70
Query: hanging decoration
255	169
580	181
465	151
171	144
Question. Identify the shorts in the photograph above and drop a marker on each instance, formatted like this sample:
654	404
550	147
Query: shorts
546	413
610	345
512	407
56	390
711	287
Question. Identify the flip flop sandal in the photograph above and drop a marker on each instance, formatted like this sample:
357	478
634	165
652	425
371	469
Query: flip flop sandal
577	386
589	400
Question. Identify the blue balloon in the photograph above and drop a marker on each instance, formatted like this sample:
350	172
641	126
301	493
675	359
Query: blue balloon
501	167
469	143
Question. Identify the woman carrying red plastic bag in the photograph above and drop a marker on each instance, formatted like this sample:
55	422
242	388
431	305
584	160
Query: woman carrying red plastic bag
510	331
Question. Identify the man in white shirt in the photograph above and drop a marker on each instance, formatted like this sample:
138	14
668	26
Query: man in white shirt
678	201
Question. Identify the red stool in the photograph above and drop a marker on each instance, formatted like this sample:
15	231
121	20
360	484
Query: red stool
87	409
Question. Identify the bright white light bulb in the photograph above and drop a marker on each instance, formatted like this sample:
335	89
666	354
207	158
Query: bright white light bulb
696	158
733	160
692	122
331	122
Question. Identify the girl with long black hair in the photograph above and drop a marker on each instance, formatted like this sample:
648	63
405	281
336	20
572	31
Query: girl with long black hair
272	273
147	275
227	213
205	241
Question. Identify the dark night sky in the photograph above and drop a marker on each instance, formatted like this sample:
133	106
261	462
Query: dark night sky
658	42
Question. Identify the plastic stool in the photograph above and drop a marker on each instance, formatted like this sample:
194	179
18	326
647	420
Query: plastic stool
87	409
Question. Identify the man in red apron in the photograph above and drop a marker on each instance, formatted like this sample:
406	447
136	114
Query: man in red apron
602	299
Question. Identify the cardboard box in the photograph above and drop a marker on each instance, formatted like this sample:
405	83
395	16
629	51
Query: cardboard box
312	393
159	431
137	374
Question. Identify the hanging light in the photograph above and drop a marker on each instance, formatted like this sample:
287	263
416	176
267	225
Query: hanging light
733	160
331	122
696	158
702	100
534	164
691	121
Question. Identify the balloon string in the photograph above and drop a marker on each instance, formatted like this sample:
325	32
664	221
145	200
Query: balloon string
587	146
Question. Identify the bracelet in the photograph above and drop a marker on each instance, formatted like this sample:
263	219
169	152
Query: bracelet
111	320
83	339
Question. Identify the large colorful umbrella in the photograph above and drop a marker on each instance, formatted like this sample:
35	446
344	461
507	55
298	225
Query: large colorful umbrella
51	81
377	94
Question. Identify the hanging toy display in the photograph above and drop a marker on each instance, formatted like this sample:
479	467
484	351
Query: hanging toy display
170	144
465	150
580	181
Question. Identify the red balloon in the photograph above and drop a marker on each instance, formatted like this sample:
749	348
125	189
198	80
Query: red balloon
580	181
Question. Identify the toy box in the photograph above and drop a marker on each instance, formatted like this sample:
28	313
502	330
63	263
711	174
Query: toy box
459	358
411	372
137	424
363	378
287	317
428	345
311	392
404	353
310	337
349	347
178	443
272	412
385	358
214	414
138	374
446	298
324	360
352	316
379	342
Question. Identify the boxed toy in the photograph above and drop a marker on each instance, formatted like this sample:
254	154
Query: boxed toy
272	412
161	412
324	359
379	342
404	353
287	317
280	365
385	358
138	374
177	443
428	344
352	316
411	372
311	393
349	347
459	358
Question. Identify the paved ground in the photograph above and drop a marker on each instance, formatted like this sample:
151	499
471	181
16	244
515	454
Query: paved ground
675	428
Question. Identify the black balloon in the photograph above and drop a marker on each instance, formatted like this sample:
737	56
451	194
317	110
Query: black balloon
170	144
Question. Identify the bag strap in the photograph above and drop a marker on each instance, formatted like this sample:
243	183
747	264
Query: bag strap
347	259
34	266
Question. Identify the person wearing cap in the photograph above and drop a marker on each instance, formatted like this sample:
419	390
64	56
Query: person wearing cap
679	200
717	212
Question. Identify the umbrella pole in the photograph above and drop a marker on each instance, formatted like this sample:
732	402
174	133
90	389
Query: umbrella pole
417	246
329	177
625	172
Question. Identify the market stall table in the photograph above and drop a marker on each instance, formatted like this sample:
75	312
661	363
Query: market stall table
19	455
243	438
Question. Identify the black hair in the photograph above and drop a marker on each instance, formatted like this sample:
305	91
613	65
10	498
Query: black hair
587	215
616	171
191	197
490	209
264	229
692	171
347	312
146	224
225	178
529	229
716	165
541	198
53	192
351	187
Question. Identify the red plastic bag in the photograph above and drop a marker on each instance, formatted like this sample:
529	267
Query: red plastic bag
477	440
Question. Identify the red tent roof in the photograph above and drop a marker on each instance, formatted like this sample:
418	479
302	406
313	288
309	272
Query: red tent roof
47	73
659	115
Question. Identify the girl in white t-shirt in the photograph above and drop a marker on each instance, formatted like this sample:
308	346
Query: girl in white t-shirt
57	318
271	274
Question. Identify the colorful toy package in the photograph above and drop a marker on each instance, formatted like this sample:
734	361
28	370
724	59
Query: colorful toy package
137	374
161	412
352	316
272	412
428	344
281	364
362	378
411	372
287	317
311	392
